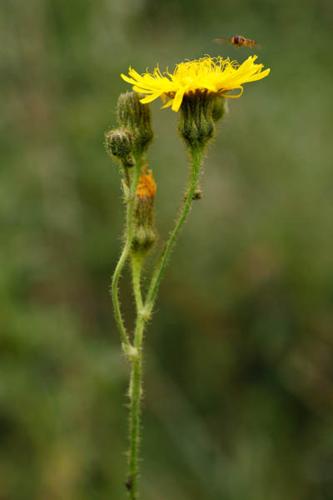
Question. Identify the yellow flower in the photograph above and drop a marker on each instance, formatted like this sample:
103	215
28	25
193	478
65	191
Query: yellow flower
206	75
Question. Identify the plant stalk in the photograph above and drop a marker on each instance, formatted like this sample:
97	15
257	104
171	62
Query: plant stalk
135	389
129	229
196	157
144	310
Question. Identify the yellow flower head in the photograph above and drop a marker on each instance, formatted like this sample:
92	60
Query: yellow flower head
210	75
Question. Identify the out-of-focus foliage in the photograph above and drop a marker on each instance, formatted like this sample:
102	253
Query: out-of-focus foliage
238	394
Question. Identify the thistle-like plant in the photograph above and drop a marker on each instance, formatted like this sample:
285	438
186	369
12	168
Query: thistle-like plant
198	90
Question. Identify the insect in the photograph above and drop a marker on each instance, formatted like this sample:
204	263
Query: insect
238	41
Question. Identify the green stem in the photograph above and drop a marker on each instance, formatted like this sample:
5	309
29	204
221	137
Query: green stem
143	312
136	266
135	391
161	266
114	289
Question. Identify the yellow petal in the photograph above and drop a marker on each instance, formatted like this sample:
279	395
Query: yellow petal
177	100
168	104
127	79
149	98
134	73
259	76
235	96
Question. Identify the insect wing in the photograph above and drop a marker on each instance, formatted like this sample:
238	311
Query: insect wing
221	40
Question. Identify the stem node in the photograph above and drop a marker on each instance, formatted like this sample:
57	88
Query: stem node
130	351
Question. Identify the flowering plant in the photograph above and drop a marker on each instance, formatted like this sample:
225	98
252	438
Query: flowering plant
197	90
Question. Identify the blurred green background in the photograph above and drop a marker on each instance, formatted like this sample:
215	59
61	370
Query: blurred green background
238	371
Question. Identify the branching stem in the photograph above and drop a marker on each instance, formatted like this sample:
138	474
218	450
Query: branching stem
144	309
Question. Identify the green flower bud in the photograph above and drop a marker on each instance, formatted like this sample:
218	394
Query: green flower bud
197	195
135	117
119	143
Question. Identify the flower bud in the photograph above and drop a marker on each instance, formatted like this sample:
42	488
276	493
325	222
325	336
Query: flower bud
144	231
119	143
197	194
135	117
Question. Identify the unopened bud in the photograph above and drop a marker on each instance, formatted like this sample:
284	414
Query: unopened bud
197	194
119	143
144	231
135	116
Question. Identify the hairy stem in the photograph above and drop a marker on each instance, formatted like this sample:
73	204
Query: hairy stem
135	394
135	390
143	312
182	216
136	266
114	289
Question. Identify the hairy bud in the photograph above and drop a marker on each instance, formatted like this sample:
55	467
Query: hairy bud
144	231
135	117
119	143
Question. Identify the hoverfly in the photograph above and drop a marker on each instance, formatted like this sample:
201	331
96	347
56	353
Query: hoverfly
238	41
